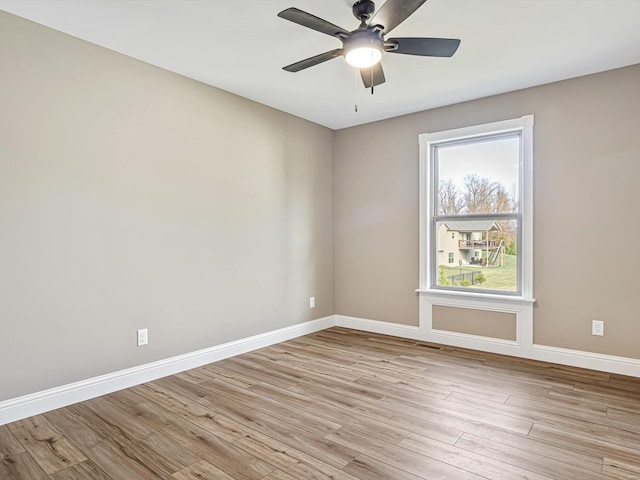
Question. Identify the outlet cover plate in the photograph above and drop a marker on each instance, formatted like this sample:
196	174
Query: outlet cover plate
597	328
143	337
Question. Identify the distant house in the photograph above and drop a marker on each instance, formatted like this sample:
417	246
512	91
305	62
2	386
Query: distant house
463	243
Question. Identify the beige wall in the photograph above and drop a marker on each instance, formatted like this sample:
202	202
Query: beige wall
132	197
587	171
475	322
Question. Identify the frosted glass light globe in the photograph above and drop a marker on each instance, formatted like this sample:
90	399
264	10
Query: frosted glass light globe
363	57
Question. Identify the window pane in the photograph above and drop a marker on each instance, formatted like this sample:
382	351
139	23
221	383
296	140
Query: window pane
483	254
479	176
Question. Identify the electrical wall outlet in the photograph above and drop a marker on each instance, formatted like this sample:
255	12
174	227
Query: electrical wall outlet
597	328
143	337
312	302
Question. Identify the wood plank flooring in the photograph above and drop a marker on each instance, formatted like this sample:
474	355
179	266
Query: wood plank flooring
344	405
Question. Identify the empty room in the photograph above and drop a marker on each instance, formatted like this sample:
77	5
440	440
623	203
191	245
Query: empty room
319	239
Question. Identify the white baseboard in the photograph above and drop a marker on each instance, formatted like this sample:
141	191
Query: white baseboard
46	400
561	356
593	361
376	326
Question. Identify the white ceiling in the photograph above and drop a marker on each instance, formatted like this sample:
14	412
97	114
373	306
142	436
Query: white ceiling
241	46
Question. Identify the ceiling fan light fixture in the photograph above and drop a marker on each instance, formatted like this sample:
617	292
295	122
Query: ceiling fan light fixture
363	52
363	47
363	57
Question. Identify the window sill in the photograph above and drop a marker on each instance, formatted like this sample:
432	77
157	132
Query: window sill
474	295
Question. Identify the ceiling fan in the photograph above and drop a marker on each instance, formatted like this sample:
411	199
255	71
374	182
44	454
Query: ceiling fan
364	46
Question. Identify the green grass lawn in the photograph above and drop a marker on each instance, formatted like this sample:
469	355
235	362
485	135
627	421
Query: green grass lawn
498	278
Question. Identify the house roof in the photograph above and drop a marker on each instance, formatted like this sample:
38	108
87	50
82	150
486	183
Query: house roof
472	225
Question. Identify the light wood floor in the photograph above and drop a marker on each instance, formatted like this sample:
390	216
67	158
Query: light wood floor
343	405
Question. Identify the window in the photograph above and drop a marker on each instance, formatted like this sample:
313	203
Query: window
477	181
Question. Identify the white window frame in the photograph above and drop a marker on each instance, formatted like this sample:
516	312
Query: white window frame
520	304
522	126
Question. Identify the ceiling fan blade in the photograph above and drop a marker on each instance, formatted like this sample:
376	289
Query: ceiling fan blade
394	12
373	76
311	61
311	21
425	47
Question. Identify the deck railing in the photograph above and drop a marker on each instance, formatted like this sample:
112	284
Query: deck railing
480	244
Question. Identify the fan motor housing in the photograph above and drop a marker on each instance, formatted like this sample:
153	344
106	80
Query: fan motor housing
364	38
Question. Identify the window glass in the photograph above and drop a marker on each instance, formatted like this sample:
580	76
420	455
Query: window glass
477	215
479	176
487	255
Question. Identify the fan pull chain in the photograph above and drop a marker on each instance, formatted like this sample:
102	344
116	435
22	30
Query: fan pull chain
355	89
371	68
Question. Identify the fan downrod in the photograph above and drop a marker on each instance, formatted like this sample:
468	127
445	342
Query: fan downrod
363	10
